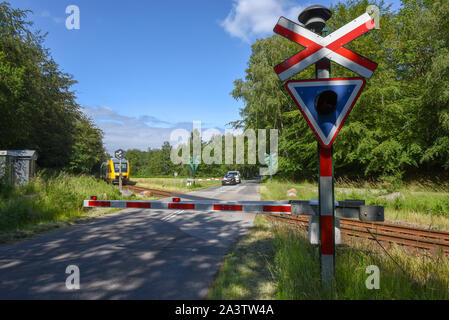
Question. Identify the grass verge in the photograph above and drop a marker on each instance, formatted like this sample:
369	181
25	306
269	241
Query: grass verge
274	261
422	204
246	271
173	184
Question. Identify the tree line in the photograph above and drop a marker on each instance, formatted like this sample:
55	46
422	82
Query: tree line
158	162
38	107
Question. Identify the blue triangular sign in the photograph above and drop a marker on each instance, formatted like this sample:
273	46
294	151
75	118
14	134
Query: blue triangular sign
326	103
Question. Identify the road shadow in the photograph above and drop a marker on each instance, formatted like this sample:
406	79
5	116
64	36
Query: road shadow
134	254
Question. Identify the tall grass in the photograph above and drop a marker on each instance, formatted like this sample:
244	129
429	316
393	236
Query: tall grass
421	203
247	270
275	261
49	199
401	277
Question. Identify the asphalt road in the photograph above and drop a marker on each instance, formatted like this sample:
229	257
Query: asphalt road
132	254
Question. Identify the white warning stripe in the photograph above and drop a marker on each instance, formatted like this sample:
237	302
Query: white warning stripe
242	206
212	179
331	47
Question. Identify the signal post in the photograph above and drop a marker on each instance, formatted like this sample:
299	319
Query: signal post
314	18
325	104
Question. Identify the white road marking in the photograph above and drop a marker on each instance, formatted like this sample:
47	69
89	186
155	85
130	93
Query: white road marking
172	215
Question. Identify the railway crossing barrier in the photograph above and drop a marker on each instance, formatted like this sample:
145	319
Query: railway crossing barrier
352	209
355	209
211	179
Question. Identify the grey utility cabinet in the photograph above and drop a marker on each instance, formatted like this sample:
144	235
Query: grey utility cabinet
17	166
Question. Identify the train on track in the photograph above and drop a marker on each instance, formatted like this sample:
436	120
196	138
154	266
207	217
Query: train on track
110	171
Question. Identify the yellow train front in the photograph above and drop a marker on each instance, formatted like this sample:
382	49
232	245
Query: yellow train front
110	171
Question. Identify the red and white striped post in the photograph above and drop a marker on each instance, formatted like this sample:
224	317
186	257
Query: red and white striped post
326	197
314	18
327	215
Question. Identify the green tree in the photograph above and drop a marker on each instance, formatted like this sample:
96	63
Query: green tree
166	167
138	162
39	109
88	150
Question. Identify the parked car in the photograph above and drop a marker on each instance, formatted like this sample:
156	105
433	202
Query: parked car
231	179
238	176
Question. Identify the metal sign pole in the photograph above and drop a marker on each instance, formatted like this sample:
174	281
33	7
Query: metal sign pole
271	166
326	197
326	212
120	175
314	18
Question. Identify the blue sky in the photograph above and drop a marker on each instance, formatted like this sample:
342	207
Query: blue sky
146	67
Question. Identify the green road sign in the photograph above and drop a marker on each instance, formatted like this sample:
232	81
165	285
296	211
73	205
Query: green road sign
271	160
194	163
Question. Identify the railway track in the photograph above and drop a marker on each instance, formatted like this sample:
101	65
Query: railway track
153	192
387	232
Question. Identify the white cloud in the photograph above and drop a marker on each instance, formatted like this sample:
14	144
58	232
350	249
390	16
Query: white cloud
58	20
47	14
252	18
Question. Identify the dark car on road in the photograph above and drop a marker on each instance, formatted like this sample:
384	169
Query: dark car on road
231	179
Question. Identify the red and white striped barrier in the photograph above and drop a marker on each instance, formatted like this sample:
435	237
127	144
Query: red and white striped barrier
242	206
212	179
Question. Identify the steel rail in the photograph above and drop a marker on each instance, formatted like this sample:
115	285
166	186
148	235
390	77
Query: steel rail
423	239
152	191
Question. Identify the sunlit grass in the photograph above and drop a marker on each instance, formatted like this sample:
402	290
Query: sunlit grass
418	203
275	261
173	184
402	276
246	272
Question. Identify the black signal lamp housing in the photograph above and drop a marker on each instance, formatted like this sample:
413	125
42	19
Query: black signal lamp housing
315	17
326	102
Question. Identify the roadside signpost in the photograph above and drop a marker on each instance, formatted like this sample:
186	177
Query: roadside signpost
194	163
324	102
120	154
271	160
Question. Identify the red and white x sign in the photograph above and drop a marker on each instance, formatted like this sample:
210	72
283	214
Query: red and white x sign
330	47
